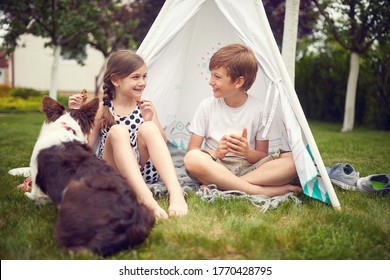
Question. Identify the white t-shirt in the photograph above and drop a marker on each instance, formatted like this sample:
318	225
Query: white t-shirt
214	118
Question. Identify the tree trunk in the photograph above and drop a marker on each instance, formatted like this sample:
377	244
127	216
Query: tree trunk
54	72
99	77
349	110
290	33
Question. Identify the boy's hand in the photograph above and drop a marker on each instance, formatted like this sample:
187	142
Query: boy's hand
238	144
222	148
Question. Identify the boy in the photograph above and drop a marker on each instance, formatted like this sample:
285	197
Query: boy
235	160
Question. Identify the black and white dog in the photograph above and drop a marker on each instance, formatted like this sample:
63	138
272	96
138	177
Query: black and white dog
97	209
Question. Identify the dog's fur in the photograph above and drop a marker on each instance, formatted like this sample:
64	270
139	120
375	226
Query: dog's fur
61	126
97	210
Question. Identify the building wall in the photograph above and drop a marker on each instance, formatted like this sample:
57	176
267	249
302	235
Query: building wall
33	63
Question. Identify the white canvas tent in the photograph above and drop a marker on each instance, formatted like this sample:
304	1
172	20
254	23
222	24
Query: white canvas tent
177	50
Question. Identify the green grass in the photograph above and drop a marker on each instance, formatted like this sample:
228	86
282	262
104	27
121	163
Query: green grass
227	229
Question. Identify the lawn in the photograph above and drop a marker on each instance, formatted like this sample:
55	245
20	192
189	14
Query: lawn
227	229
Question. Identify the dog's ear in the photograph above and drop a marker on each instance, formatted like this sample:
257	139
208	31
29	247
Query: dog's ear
52	108
91	107
85	116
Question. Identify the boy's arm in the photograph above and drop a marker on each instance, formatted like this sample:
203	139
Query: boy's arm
260	151
196	142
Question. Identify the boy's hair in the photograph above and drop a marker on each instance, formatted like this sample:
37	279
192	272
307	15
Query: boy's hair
238	60
120	64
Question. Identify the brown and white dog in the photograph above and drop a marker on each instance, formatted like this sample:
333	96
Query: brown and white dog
97	209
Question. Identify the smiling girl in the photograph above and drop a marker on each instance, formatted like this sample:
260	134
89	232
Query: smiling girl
129	135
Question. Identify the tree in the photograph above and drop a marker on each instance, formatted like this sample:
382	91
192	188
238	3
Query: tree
145	11
122	27
290	33
58	21
356	25
116	23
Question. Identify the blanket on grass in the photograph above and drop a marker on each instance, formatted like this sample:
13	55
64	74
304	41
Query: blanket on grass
209	193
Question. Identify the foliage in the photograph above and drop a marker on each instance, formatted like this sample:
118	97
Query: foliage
356	24
4	90
275	11
54	20
378	91
320	85
116	25
25	100
11	104
25	93
145	11
227	229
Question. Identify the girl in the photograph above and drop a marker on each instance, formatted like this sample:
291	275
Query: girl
129	135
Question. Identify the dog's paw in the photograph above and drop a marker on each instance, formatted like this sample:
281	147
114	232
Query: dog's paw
39	200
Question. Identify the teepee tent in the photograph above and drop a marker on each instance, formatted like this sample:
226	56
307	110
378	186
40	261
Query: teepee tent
177	50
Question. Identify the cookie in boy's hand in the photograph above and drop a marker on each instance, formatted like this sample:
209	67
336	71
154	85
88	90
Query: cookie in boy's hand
138	100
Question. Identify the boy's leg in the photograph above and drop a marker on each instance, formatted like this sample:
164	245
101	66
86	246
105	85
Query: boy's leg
276	172
151	144
201	165
119	154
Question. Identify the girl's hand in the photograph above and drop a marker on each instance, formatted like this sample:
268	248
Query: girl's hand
147	109
238	144
76	100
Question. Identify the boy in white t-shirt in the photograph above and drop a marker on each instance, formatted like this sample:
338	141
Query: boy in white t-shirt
226	147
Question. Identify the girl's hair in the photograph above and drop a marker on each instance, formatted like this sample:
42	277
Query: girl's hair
120	64
238	60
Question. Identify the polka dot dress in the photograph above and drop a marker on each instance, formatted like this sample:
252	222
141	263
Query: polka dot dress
132	122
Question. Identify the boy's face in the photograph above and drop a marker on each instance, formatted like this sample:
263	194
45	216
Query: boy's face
221	82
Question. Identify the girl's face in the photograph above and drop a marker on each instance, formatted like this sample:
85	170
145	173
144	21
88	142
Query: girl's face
134	84
222	84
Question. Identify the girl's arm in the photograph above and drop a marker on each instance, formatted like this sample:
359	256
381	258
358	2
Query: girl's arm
157	122
93	135
149	114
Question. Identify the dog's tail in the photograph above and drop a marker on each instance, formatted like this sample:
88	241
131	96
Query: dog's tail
102	220
20	171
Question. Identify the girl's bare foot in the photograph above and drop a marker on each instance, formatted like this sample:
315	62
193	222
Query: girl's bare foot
177	205
158	212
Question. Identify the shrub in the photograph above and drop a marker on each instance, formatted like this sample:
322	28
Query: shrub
25	93
11	104
4	90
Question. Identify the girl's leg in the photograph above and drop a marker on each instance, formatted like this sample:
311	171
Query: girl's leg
207	171
151	145
119	154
